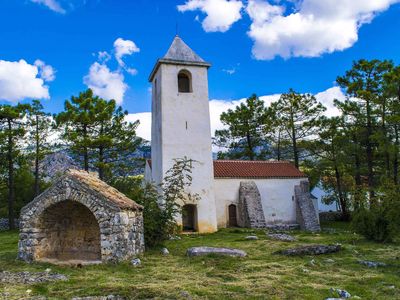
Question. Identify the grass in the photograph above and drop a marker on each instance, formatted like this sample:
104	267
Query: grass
260	275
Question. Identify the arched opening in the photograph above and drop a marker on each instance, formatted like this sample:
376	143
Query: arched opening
69	231
184	82
189	217
232	212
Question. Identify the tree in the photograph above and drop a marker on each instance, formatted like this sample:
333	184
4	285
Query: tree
328	148
114	139
78	122
243	136
392	92
299	116
96	130
363	84
40	125
12	132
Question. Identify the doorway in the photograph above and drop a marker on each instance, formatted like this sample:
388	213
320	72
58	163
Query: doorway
232	212
189	213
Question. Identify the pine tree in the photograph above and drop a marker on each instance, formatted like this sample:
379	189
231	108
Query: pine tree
11	133
40	129
244	134
299	116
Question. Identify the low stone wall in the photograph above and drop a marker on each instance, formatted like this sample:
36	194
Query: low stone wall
4	224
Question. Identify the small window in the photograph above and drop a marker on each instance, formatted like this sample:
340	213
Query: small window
184	82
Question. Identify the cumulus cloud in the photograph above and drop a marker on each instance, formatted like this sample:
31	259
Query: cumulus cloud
46	72
110	84
20	80
217	107
221	14
106	83
54	5
314	28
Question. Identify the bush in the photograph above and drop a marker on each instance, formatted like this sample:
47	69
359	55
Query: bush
380	222
160	209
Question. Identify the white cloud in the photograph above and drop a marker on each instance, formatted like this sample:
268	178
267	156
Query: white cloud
144	128
315	28
105	83
110	84
217	107
221	14
20	80
103	56
46	72
54	5
122	48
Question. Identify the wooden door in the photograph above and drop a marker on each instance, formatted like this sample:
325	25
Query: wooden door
232	215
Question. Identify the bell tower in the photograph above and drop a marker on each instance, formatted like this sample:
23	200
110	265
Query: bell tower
181	127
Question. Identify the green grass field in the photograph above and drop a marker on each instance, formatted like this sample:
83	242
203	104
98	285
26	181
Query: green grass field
261	275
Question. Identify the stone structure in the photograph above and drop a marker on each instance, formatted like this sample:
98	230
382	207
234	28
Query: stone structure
305	210
181	128
80	218
250	207
200	251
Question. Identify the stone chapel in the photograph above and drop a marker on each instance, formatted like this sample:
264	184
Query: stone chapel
232	192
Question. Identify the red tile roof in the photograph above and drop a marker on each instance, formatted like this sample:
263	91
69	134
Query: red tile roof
254	169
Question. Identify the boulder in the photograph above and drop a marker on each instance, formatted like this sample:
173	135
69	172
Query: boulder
199	251
310	250
371	264
281	237
136	262
164	251
251	237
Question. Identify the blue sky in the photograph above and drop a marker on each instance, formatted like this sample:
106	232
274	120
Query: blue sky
254	46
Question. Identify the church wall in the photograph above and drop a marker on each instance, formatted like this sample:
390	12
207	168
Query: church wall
276	196
184	120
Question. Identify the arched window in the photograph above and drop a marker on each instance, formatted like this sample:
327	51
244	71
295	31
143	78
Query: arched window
184	82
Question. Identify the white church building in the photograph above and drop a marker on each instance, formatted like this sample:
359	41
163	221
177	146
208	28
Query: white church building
232	192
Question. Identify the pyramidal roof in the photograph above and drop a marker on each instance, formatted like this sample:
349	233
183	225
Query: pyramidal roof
179	53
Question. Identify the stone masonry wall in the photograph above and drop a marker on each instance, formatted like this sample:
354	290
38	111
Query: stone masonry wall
120	230
251	213
305	211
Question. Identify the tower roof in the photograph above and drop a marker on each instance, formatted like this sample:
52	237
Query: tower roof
179	53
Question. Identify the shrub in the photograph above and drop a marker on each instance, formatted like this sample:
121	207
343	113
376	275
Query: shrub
160	209
379	222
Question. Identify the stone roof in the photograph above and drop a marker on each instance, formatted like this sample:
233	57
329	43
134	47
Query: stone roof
179	53
99	186
254	169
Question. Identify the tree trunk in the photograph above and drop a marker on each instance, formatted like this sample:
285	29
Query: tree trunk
369	152
11	192
342	200
250	146
279	146
37	157
101	161
396	156
85	150
357	175
295	151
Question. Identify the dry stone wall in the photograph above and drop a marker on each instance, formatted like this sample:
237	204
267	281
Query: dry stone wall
251	213
114	233
305	211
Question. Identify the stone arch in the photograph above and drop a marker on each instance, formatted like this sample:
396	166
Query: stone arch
70	232
114	223
184	81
